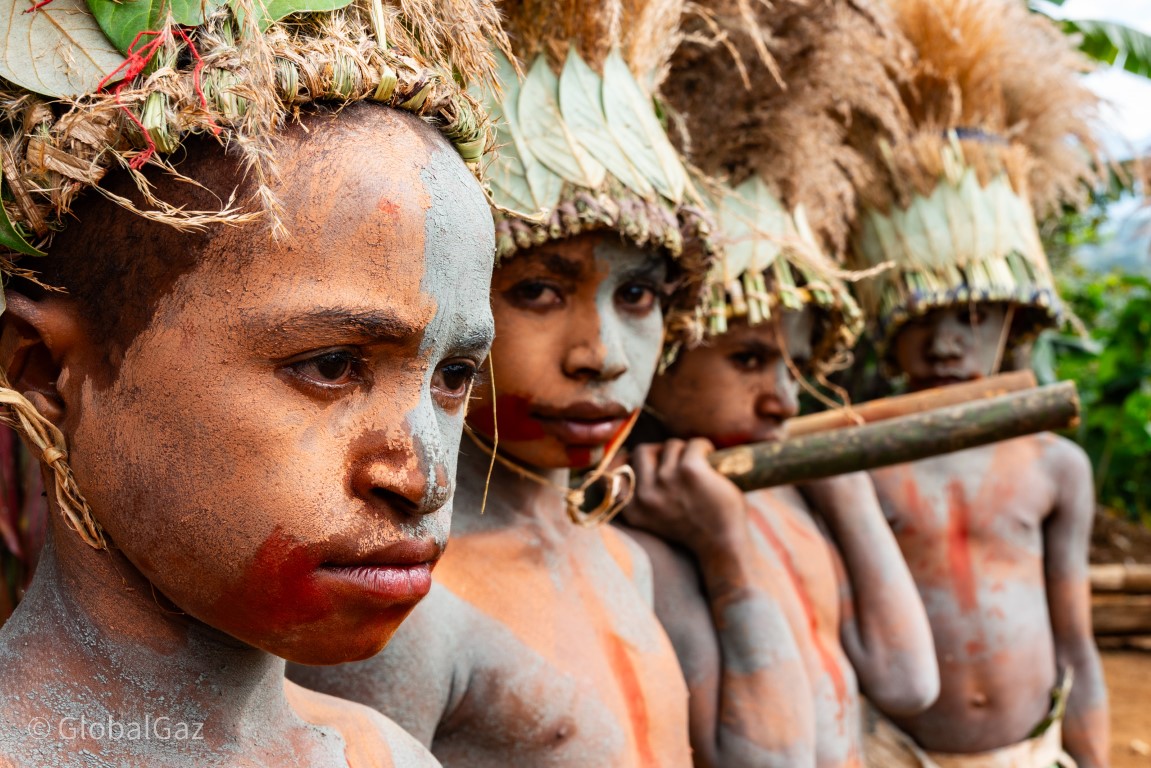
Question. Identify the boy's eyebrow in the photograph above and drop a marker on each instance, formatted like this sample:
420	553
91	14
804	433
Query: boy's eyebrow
562	266
475	338
375	325
648	268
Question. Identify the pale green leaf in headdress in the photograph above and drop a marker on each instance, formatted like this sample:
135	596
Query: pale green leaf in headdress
58	50
546	132
754	224
632	121
274	10
520	183
581	103
123	20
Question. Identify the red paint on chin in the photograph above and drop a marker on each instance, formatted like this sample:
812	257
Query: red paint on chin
826	658
279	591
515	419
579	457
959	548
621	664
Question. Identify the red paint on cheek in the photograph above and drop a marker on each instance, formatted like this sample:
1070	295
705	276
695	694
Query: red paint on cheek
826	658
959	548
515	419
621	664
732	440
277	593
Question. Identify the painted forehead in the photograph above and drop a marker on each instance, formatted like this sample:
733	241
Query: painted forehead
586	256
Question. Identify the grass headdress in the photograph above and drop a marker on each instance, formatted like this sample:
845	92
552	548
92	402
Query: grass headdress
582	145
87	85
768	97
1001	133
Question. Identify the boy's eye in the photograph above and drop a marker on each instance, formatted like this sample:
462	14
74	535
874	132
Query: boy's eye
535	294
747	361
971	317
330	369
636	297
455	378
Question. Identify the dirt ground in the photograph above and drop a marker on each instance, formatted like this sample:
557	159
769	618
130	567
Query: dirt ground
1129	680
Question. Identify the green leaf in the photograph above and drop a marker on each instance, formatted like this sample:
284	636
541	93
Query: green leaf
58	50
274	10
520	183
581	102
123	20
754	225
631	119
1112	43
10	236
546	132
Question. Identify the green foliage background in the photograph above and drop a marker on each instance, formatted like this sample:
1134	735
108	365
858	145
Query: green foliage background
1113	371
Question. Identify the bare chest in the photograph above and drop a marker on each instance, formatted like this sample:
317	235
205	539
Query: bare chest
571	666
979	511
794	546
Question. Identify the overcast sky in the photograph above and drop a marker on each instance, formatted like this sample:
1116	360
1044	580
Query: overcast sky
1127	122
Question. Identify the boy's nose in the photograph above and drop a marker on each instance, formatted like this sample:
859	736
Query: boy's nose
408	475
780	399
595	355
946	344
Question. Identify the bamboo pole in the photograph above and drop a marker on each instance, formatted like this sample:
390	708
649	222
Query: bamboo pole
1119	578
916	402
909	438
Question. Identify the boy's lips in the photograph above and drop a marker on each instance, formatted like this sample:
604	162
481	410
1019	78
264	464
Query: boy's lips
583	424
399	573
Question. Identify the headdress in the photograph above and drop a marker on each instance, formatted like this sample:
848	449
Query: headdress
88	85
769	96
582	144
1001	133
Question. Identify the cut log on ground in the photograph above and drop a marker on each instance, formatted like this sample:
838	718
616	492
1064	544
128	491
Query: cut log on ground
916	402
896	441
1126	579
1121	614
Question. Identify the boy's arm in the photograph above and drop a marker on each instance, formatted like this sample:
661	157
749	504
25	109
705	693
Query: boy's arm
885	631
1066	539
412	680
750	699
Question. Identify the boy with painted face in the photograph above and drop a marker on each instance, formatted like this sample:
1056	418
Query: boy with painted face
996	537
783	604
538	644
248	440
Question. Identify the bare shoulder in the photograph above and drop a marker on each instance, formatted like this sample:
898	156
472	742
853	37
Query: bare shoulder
672	568
1063	457
371	740
632	556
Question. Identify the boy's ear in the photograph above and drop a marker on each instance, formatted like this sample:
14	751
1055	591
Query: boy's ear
35	337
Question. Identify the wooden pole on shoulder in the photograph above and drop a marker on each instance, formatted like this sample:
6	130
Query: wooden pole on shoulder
896	441
916	402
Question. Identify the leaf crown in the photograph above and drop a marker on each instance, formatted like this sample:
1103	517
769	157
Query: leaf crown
1001	132
89	84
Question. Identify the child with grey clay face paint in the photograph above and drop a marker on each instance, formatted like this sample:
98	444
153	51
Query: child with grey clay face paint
996	537
248	440
785	605
538	644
